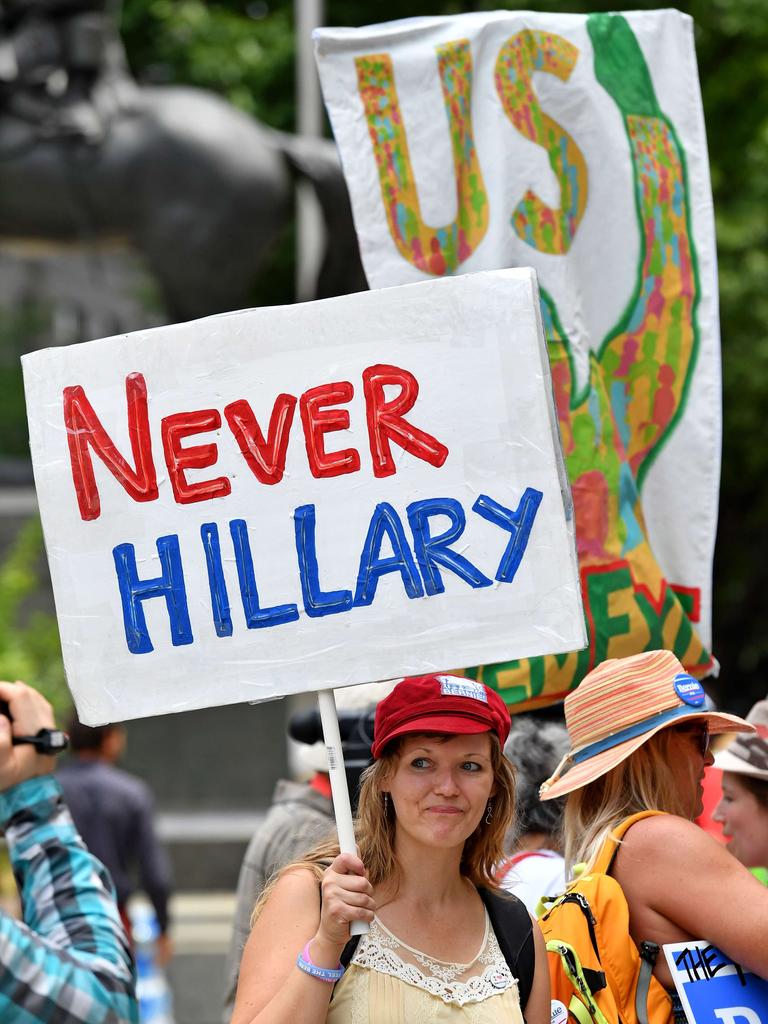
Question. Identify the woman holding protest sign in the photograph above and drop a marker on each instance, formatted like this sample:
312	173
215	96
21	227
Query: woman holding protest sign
743	809
444	944
639	733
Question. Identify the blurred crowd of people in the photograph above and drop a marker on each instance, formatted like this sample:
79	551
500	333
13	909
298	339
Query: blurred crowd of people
455	805
629	762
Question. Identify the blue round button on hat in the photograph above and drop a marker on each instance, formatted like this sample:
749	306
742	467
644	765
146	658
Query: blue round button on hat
689	690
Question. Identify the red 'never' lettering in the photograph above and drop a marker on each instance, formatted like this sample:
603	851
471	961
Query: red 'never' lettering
199	456
266	459
318	421
84	428
386	423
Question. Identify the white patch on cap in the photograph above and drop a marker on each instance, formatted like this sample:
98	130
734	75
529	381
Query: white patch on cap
452	687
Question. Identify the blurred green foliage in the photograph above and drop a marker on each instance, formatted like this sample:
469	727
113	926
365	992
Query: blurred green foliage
219	46
29	638
245	50
18	329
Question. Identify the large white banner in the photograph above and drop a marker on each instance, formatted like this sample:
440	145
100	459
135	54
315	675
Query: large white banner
574	144
290	499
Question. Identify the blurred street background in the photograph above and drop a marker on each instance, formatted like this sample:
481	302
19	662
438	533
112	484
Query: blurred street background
213	772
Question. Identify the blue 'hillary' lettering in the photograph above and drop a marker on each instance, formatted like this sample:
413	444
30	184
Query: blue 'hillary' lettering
420	566
134	592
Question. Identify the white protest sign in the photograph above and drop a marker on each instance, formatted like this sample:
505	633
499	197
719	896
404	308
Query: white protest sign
713	989
281	500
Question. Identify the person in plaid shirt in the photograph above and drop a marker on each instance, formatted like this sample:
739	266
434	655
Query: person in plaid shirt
69	960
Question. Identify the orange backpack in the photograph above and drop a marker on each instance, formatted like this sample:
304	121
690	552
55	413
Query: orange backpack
596	969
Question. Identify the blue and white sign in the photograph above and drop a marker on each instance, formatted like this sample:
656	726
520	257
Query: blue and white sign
712	988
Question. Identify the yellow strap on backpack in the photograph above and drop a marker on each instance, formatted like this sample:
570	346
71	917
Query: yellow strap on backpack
609	849
579	1011
584	1008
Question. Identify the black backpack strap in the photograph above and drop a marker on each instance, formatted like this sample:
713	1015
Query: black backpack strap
349	951
513	927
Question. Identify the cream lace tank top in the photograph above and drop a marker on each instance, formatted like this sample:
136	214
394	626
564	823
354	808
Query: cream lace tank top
388	982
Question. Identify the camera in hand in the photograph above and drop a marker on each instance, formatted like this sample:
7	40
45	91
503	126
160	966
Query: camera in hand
45	741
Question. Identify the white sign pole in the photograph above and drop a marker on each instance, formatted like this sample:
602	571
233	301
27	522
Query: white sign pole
341	806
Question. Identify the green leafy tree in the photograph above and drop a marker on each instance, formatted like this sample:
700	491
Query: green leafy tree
30	649
243	51
19	329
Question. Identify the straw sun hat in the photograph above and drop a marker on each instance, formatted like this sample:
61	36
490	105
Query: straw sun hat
748	755
621	704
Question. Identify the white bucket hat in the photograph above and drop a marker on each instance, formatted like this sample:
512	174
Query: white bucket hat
748	755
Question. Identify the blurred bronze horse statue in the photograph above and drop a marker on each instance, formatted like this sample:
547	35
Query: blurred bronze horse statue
198	187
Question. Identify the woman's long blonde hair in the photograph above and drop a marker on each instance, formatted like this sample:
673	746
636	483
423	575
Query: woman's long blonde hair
375	828
642	782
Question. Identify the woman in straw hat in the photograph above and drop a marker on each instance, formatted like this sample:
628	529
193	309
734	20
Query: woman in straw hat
743	809
640	732
433	811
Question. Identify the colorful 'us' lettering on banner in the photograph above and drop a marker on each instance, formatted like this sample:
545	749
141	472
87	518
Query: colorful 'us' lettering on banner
575	145
304	497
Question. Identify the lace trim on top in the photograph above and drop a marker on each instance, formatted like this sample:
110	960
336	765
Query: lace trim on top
485	976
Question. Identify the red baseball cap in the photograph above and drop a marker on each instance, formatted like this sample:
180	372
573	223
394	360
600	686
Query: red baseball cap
439	703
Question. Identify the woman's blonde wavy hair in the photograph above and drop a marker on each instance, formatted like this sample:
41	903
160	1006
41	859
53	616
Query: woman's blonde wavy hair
642	782
375	828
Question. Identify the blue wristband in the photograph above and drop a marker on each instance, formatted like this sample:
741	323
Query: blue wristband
329	974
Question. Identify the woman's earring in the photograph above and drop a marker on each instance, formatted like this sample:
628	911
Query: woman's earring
386	805
489	813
